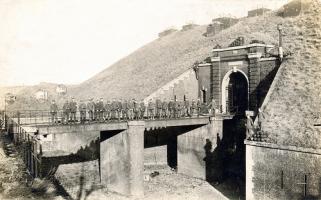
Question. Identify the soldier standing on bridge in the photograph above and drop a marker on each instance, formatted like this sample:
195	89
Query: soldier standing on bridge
158	108
113	109
82	110
151	109
53	112
142	109
119	109
193	108
199	107
187	108
107	111
73	110
131	109
101	109
164	109
66	112
91	109
171	109
212	107
136	109
125	110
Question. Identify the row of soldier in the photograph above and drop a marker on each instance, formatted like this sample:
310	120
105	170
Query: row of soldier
127	110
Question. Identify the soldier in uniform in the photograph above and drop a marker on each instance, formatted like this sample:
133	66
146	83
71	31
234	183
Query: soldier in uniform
142	109
91	109
131	109
82	111
212	107
66	112
199	107
176	109
187	108
96	113
53	112
171	109
73	110
151	109
164	109
158	108
193	108
125	110
101	109
114	106
119	109
136	109
108	110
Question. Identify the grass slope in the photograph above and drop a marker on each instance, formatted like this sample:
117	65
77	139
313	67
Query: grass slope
296	98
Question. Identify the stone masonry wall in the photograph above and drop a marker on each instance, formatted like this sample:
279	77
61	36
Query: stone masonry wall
273	172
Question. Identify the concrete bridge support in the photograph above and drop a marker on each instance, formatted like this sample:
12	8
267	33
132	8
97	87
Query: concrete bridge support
192	148
122	157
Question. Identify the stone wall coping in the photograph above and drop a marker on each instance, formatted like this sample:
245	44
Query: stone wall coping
268	59
243	47
136	123
254	55
282	147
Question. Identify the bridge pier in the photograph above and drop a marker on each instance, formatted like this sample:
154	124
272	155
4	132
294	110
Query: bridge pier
122	157
192	148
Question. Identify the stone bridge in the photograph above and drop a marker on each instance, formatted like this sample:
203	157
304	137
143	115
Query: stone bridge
120	147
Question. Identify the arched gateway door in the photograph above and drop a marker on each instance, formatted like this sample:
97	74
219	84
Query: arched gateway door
235	93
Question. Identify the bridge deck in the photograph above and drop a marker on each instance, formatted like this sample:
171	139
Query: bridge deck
122	125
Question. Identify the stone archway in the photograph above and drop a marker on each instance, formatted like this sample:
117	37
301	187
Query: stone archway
235	91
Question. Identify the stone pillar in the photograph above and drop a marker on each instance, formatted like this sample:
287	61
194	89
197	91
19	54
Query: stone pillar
254	80
122	160
216	80
191	146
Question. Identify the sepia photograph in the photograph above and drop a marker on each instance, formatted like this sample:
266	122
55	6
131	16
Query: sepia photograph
160	99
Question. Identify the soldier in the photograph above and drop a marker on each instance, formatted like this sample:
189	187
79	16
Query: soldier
73	110
114	107
171	109
53	112
96	113
158	108
151	109
199	107
193	108
212	107
91	109
119	109
108	110
101	109
82	111
164	109
176	109
131	109
66	112
187	108
142	109
125	110
136	109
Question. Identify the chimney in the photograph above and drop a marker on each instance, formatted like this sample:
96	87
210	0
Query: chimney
279	27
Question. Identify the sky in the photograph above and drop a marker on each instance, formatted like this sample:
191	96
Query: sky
69	41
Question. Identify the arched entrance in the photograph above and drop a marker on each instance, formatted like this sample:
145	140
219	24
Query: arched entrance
235	92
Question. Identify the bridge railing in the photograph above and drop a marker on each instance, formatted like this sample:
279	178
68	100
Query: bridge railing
45	117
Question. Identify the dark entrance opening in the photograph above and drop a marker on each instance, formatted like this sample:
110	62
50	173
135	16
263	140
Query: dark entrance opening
237	89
